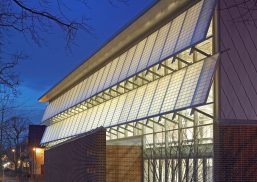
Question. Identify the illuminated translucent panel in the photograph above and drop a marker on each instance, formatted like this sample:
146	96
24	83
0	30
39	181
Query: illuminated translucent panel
86	115
104	77
136	103
188	28
159	44
45	135
92	118
54	132
189	84
203	21
118	70
66	100
47	109
96	84
136	57
81	123
63	127
173	91
104	113
175	29
147	100
118	110
73	96
126	109
76	123
85	87
183	89
72	125
59	128
111	73
159	96
204	82
111	111
84	120
77	96
92	84
127	63
182	32
96	120
147	51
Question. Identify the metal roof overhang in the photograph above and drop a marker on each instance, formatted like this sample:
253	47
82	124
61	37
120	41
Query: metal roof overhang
152	19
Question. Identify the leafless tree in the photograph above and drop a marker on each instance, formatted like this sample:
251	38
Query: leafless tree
34	18
15	132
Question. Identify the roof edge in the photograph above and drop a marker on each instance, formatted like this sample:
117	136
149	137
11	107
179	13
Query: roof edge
155	16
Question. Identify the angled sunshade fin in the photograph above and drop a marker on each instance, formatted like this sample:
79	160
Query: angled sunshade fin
185	88
182	32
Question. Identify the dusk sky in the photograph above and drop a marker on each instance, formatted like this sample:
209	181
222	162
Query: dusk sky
49	63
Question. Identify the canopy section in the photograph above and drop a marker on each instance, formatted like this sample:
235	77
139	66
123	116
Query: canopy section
187	29
186	88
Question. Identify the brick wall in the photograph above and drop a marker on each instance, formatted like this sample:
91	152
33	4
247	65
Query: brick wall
235	152
80	160
123	163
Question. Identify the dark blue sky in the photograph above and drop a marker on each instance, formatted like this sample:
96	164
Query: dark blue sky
49	63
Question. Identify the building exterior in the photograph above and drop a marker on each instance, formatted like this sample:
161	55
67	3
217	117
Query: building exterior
171	98
36	152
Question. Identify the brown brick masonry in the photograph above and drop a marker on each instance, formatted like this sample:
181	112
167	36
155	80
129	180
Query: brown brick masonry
81	160
123	163
235	151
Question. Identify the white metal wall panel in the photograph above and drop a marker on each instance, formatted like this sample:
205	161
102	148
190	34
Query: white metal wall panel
182	32
183	89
